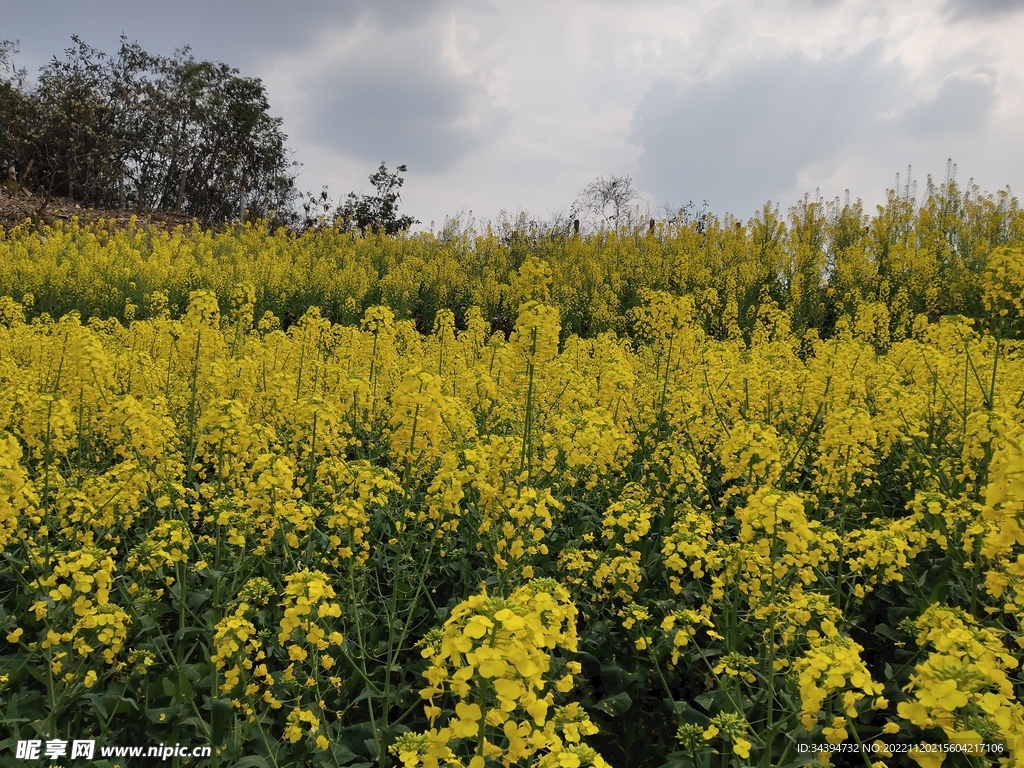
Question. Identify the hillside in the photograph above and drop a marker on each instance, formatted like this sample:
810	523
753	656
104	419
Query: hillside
16	210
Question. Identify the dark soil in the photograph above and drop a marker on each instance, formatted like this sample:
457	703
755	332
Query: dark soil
35	210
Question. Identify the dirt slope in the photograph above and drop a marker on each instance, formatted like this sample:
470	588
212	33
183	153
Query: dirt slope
16	210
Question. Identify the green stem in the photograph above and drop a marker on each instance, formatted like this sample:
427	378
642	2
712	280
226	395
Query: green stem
526	456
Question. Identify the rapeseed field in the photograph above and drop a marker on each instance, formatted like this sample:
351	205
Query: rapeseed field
699	523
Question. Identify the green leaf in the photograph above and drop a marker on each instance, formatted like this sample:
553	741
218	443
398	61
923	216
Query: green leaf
678	760
252	761
168	713
706	700
220	717
616	676
940	590
799	760
371	746
184	686
885	631
615	705
343	754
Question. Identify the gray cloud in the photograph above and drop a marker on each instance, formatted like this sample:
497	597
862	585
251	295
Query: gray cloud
961	106
970	9
400	103
739	141
243	35
375	105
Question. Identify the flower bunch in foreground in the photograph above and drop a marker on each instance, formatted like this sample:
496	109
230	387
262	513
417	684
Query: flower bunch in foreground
495	660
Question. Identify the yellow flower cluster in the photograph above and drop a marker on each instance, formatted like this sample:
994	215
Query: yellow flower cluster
881	554
1003	283
349	490
687	548
424	420
235	646
833	673
732	728
846	452
751	453
779	542
962	686
307	602
614	570
495	659
1003	543
17	496
682	626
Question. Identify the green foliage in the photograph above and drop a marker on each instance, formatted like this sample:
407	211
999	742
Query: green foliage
375	213
147	132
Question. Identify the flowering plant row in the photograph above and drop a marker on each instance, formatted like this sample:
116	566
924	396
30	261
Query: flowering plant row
820	261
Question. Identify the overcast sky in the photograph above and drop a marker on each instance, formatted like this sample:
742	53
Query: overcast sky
518	105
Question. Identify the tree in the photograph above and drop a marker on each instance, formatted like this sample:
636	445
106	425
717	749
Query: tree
376	213
211	145
75	137
16	111
149	132
607	199
9	74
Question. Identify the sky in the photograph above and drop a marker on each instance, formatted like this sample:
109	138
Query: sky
517	106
